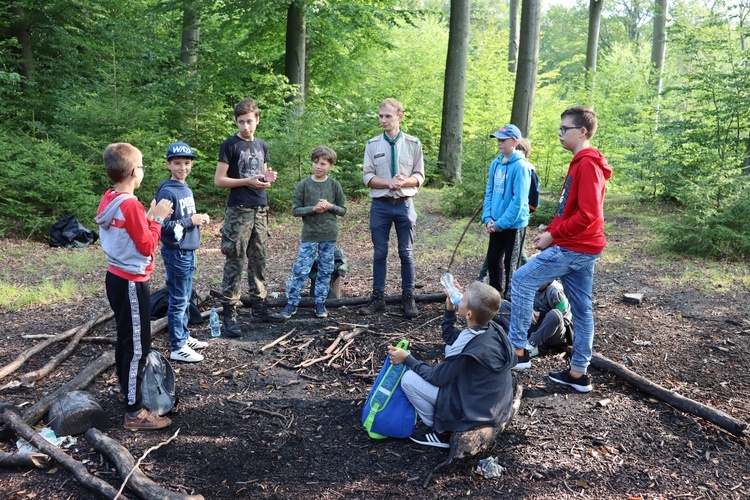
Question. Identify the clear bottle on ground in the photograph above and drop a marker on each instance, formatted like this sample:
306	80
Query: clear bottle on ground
215	323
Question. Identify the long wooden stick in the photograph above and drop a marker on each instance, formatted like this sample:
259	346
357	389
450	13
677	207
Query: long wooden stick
27	354
455	249
12	420
280	339
713	415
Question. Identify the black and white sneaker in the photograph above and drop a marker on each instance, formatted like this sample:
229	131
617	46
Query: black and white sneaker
194	343
320	310
432	438
186	354
524	362
581	384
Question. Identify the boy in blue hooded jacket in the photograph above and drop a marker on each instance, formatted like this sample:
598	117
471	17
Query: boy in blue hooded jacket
506	208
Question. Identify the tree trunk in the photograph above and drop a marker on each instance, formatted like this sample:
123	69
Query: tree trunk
658	50
20	29
451	134
592	45
513	37
294	63
191	32
528	58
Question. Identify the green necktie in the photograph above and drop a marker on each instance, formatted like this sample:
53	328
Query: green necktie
393	142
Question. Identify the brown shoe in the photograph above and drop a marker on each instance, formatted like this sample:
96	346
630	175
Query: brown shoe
146	420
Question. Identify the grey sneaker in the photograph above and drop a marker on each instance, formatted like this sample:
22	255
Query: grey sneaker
286	313
410	307
320	310
375	304
231	328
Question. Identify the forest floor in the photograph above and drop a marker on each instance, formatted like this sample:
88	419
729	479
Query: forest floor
253	424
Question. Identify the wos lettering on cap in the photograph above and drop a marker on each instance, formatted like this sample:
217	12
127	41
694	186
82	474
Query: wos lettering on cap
180	149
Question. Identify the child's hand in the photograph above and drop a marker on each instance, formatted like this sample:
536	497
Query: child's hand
200	219
491	226
543	241
534	317
162	209
270	175
397	355
322	206
259	182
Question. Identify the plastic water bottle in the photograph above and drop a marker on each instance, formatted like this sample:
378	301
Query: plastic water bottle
453	292
215	323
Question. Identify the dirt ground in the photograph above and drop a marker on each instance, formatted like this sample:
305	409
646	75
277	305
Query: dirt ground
254	424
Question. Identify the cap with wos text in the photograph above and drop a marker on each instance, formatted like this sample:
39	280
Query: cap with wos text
508	132
179	149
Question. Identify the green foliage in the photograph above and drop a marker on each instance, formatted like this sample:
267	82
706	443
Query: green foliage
712	233
41	182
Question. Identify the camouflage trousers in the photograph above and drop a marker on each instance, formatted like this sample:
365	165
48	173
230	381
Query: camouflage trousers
243	238
309	251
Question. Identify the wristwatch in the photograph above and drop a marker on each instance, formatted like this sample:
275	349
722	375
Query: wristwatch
159	220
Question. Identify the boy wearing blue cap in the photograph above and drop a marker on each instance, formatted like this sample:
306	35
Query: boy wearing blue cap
180	236
506	208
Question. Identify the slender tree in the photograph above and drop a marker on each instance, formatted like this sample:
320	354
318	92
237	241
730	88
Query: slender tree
191	32
528	59
294	62
513	37
451	134
21	30
592	44
659	44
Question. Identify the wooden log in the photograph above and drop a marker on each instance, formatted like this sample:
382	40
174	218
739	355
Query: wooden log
347	301
18	459
713	415
34	413
27	354
141	484
13	421
75	412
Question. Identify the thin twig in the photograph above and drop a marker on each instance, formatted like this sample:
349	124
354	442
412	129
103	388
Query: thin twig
138	462
471	219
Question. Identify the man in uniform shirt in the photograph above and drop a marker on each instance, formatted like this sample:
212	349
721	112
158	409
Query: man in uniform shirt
393	170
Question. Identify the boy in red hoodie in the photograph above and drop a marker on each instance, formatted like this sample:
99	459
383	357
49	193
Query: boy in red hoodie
572	243
129	237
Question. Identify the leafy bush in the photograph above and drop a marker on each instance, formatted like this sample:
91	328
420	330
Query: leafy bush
41	182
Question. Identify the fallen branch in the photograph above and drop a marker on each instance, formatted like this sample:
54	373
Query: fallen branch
280	339
27	354
341	352
344	336
53	363
18	459
311	362
713	415
12	420
130	471
348	301
34	413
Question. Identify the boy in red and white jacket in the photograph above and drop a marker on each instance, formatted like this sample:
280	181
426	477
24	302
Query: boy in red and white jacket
129	237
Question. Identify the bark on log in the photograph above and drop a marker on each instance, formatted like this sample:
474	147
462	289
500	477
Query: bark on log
713	415
18	459
348	301
141	484
27	354
34	413
12	420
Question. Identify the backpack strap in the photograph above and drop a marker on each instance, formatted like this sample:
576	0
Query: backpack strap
382	393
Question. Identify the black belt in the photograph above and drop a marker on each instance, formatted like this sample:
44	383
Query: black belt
391	199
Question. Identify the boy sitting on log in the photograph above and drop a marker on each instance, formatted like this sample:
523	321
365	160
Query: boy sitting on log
472	386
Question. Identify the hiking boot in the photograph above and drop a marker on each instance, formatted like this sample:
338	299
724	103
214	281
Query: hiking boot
261	312
524	362
185	353
375	304
432	438
231	328
286	313
194	343
146	420
410	307
320	310
581	384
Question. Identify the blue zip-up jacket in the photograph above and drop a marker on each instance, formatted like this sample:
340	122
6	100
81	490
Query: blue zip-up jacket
506	199
178	231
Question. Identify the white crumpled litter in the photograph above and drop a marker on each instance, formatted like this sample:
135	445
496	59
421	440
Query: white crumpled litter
274	295
489	467
47	433
640	342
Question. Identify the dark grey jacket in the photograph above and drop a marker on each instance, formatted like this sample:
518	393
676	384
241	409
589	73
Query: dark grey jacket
475	386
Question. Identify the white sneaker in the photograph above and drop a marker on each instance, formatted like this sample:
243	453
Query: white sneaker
185	353
195	343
